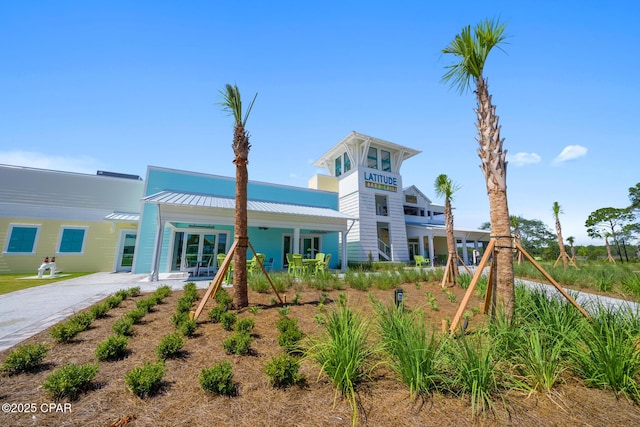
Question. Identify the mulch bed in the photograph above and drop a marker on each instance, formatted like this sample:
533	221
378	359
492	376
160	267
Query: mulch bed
383	400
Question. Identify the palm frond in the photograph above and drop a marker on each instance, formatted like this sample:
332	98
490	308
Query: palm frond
232	104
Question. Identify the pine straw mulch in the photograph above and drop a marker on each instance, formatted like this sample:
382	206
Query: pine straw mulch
383	401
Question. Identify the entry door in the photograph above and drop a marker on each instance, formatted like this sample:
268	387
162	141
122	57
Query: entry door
414	248
126	252
310	246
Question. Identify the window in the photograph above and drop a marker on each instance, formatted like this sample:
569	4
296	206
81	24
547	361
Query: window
347	163
338	166
372	158
385	158
22	238
71	240
381	205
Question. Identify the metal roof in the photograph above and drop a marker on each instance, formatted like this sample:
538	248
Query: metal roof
176	198
123	216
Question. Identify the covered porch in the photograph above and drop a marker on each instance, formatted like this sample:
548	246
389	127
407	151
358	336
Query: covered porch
192	229
430	241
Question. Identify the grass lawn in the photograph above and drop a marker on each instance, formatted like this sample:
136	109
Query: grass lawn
15	282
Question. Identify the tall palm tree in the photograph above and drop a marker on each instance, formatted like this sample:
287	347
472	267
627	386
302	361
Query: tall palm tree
445	187
232	104
472	48
571	240
557	210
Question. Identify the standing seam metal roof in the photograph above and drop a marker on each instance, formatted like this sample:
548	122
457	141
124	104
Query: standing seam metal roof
210	201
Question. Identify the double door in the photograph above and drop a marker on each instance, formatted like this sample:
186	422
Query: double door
193	249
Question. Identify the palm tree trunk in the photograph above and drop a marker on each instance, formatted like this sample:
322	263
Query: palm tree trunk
451	242
241	150
494	167
563	251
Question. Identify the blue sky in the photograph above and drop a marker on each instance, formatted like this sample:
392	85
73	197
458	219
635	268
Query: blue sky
121	85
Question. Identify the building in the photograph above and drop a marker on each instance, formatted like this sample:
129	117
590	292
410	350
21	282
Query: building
395	223
174	222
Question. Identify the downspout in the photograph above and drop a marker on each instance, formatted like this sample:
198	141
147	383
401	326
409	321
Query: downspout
153	277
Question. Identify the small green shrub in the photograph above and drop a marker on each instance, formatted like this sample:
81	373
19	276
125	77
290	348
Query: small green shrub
25	358
146	304
98	311
113	301
223	298
216	313
285	323
113	348
245	324
284	311
218	379
145	380
228	319
123	326
122	293
188	327
70	380
136	315
170	345
289	340
184	305
81	321
178	318
65	331
282	370
133	292
237	343
162	292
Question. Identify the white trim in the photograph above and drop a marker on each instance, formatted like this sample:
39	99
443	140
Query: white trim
5	251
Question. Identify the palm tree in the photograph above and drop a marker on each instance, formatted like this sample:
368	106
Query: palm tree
444	187
472	50
232	104
571	240
557	210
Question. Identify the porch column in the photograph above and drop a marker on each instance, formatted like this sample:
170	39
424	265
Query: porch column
465	255
343	264
296	240
421	245
155	259
431	254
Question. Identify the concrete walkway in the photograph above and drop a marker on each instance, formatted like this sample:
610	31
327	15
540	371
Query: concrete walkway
26	312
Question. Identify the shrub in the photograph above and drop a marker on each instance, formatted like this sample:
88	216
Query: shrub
216	312
123	326
245	324
70	380
179	318
146	304
25	358
188	327
64	332
113	348
136	315
184	305
133	292
228	319
218	379
170	345
282	370
237	343
145	380
81	321
223	297
98	311
113	301
122	293
289	339
162	292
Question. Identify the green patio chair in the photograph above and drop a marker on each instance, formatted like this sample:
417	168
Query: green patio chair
253	266
323	266
298	265
227	277
420	260
290	266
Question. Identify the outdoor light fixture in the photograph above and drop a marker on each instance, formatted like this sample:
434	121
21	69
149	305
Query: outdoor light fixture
398	297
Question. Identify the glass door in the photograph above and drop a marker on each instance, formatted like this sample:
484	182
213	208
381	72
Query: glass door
310	246
196	249
126	252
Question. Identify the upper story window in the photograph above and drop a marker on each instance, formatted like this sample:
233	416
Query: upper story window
372	158
72	240
381	205
347	163
338	166
22	239
385	158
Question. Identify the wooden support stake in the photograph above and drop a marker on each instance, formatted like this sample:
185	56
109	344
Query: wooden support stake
553	282
472	285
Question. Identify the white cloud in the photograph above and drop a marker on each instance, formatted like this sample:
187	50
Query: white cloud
570	152
521	159
32	159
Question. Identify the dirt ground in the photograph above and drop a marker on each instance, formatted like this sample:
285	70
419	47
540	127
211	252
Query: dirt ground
181	402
